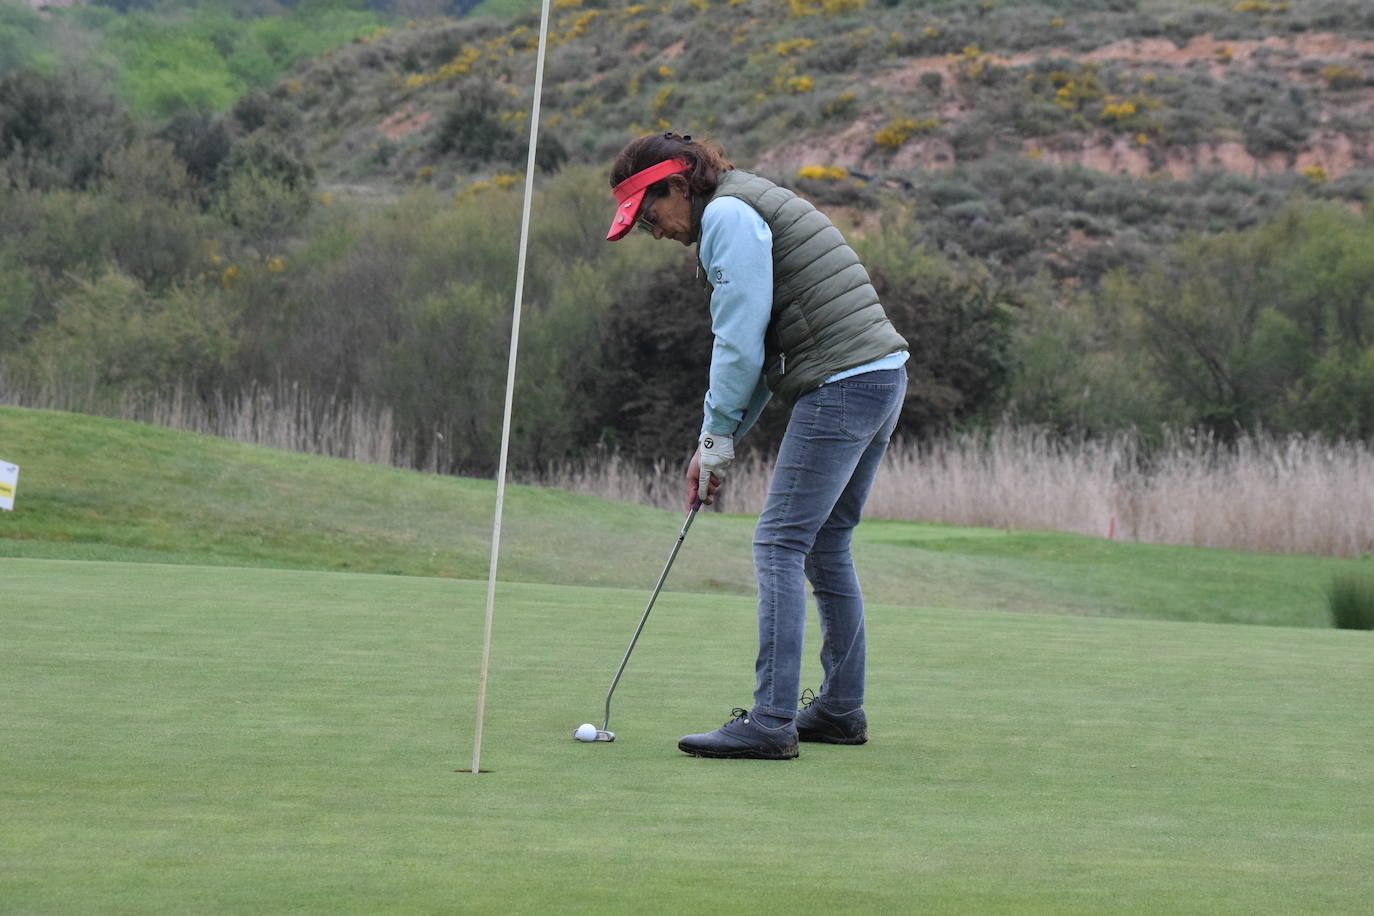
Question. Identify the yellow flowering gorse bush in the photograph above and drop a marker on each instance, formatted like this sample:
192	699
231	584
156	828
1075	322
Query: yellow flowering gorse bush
900	130
823	172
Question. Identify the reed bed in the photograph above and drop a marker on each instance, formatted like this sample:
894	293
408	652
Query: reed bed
1290	495
1261	493
282	416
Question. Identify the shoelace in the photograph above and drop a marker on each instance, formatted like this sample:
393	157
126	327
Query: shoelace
738	715
808	697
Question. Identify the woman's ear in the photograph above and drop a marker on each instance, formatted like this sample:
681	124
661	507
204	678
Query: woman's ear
679	183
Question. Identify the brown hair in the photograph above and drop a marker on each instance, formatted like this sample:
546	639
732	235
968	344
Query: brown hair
708	160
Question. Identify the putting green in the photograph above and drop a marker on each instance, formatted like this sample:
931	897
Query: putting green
181	738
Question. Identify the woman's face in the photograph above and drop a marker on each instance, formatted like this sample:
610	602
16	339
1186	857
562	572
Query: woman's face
670	217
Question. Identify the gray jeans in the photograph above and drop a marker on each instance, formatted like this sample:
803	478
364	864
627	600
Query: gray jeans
830	453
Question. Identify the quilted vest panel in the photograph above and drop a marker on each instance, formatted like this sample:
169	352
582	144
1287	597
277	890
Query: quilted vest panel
826	315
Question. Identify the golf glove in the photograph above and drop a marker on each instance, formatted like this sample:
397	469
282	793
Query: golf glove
717	454
708	467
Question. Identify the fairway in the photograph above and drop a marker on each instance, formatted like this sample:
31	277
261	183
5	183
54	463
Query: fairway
195	739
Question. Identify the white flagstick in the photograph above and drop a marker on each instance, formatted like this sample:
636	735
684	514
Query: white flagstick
510	389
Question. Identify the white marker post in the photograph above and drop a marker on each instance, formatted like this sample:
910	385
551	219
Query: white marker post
9	483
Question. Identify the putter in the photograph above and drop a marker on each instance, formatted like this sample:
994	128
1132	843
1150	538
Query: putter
603	733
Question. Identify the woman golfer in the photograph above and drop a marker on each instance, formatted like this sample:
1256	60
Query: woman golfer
794	316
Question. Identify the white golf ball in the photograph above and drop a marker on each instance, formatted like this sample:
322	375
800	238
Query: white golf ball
585	732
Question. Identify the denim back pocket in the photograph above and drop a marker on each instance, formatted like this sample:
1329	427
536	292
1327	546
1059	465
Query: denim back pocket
864	407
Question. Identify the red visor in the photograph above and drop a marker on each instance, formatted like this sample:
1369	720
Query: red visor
629	194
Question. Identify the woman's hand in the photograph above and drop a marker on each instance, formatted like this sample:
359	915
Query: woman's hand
693	482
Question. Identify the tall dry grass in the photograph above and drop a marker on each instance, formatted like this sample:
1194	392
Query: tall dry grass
283	416
1293	495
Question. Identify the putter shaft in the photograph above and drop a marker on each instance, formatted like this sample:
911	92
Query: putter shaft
672	555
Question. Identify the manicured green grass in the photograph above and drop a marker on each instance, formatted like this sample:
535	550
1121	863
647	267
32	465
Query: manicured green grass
100	489
181	738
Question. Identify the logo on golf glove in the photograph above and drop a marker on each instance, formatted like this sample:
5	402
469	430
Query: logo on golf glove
717	454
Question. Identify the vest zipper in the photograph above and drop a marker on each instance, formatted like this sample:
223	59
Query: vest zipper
782	364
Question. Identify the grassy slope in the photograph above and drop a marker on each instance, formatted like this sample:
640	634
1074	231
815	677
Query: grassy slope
186	738
92	488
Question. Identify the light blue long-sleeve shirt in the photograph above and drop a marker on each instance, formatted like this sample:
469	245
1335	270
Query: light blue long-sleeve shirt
736	250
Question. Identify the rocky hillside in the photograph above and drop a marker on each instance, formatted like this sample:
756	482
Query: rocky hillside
1328	72
1255	88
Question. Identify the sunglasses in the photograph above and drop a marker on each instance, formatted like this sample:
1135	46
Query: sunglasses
644	220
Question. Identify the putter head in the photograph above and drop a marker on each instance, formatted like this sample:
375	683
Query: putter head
600	734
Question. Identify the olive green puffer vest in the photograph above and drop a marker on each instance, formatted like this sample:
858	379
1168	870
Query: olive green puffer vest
826	314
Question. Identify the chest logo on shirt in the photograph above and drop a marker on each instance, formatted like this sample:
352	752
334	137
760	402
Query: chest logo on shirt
720	276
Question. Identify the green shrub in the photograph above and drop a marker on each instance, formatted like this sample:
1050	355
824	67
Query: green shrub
956	315
1341	398
110	333
842	53
1038	118
948	192
1281	126
53	239
150	217
972	138
472	127
201	142
658	352
1350	599
839	105
265	188
257	110
1071	373
56	130
19	30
